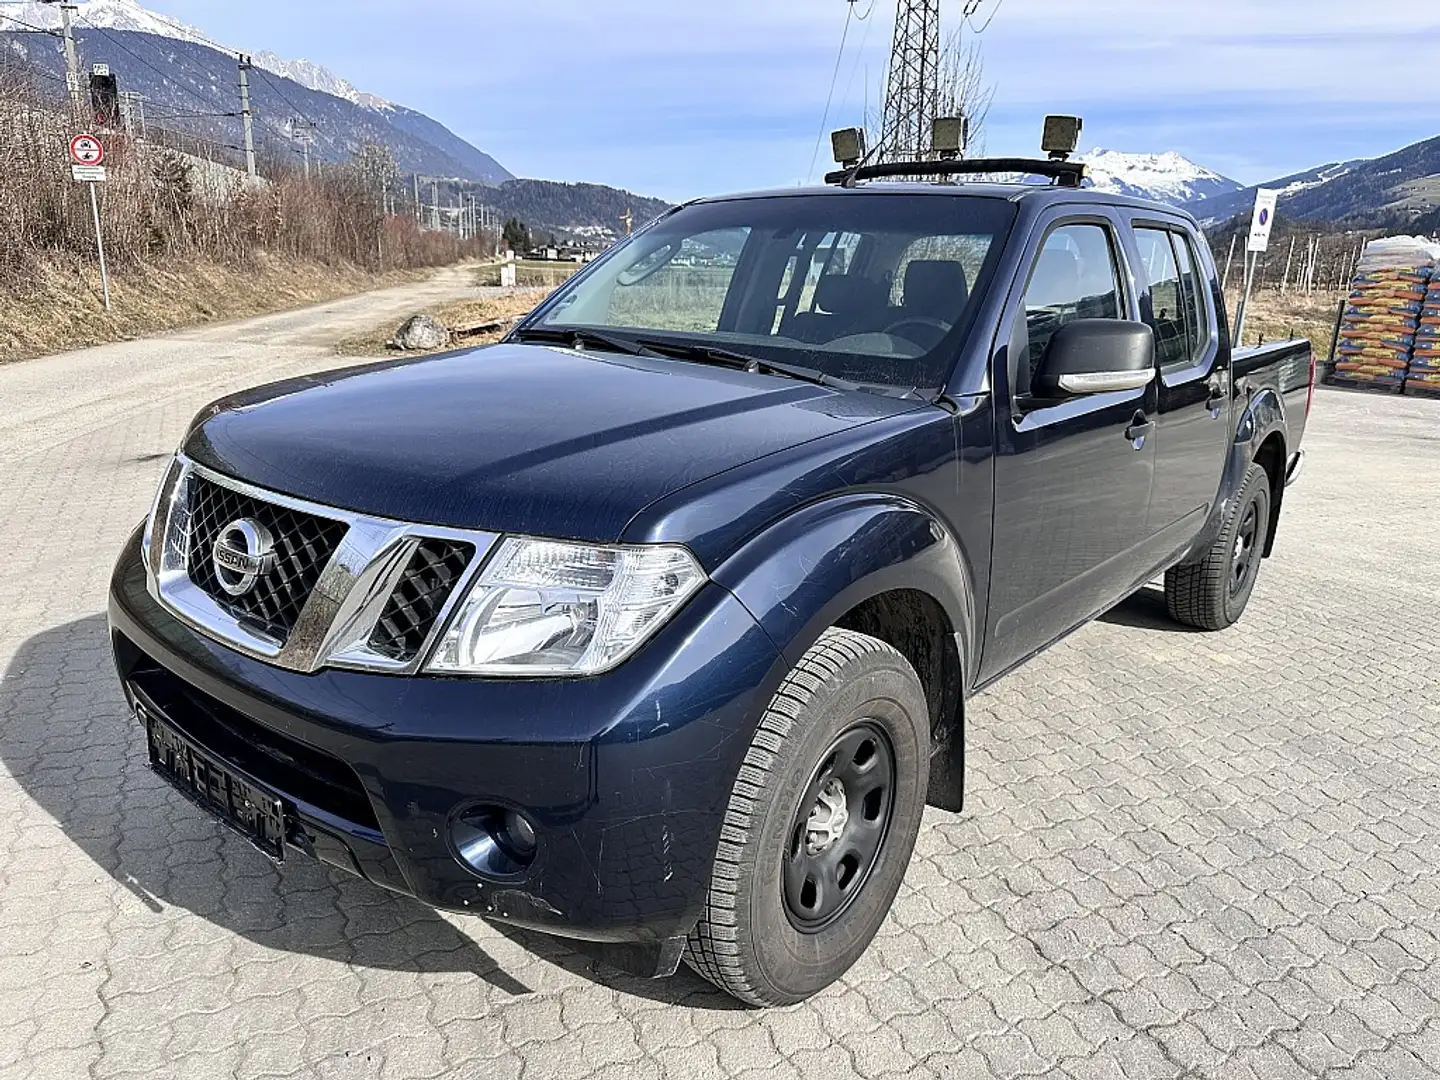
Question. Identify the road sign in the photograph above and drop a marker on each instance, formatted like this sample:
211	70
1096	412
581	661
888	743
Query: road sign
90	174
102	70
1266	199
86	150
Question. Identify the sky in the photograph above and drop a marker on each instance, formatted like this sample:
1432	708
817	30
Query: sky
676	98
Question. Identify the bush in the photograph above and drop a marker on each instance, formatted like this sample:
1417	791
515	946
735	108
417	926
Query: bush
159	205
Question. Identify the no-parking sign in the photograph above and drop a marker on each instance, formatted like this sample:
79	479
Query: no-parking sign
1266	199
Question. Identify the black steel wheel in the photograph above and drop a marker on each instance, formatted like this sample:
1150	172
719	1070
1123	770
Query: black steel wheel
820	825
839	827
1213	593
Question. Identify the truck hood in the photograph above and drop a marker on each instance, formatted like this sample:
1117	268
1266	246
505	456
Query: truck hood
516	438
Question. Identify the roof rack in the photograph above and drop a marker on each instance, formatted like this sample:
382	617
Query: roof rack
1068	174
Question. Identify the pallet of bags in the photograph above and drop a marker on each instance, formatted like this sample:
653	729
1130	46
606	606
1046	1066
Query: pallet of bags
1424	374
1382	315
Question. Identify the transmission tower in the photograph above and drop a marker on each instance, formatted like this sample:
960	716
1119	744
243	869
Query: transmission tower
912	97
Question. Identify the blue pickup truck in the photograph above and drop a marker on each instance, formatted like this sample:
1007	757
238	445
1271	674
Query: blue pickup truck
653	626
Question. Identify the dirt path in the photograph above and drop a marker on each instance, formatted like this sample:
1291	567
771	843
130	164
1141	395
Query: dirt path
53	398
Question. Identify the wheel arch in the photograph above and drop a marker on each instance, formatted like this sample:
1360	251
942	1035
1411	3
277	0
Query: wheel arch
882	565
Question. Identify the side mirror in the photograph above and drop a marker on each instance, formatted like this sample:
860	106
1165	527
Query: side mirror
1096	356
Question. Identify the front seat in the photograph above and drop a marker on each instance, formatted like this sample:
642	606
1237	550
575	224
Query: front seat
935	289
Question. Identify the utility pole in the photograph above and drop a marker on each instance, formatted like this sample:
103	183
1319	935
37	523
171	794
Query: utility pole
72	62
1285	285
419	214
245	66
912	96
435	202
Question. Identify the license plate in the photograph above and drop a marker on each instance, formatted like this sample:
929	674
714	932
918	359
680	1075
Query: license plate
239	802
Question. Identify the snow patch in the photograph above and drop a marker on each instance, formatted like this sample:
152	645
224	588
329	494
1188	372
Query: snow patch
1169	177
129	15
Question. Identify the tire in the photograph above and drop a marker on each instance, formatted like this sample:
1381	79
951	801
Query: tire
766	937
1212	594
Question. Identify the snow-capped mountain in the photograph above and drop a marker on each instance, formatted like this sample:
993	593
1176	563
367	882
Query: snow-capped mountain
175	68
128	15
318	77
1169	178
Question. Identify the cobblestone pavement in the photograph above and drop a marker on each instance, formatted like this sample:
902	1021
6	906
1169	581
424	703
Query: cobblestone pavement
1183	854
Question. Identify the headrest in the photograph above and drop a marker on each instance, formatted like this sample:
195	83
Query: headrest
937	286
845	294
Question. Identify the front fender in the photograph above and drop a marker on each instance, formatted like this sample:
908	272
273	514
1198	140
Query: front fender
804	573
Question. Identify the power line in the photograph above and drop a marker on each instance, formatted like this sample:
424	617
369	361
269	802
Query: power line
834	78
970	15
30	26
140	59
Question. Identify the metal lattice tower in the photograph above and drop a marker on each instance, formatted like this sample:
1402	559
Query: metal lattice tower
912	97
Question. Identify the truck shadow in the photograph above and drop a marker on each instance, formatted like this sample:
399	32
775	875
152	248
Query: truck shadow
69	741
1146	610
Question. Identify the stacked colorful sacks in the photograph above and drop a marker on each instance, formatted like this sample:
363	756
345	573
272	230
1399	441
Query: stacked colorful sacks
1425	361
1377	336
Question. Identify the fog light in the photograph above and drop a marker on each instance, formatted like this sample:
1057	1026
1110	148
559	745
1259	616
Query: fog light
494	841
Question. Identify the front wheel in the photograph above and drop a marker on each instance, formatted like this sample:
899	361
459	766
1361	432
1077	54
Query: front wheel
1213	593
820	826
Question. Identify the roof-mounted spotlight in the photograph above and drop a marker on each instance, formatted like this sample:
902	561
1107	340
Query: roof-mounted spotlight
950	135
849	146
1062	136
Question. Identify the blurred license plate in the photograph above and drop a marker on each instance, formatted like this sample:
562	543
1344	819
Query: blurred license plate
239	802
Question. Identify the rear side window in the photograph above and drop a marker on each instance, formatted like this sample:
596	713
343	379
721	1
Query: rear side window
1167	308
1177	307
1192	294
1074	278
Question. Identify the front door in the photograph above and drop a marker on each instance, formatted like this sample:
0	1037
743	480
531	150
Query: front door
1194	435
1072	479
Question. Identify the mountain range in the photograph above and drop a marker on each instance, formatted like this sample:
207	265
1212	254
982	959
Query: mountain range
1396	190
188	83
1168	178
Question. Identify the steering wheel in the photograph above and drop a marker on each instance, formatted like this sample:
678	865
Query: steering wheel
932	331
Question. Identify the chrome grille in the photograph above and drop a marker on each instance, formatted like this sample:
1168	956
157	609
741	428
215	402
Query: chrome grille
419	598
333	588
304	545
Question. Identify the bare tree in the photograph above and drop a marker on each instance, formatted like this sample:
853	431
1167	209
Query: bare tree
964	90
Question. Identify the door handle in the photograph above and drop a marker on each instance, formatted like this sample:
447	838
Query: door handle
1140	429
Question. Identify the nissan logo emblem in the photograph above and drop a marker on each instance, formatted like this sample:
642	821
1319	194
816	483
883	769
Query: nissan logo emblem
244	553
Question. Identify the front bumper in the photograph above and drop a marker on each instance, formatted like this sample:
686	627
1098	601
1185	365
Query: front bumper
626	775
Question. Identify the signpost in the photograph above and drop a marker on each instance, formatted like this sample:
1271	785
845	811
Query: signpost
1261	223
87	155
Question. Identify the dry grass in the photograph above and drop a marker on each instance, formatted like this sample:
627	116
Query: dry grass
183	249
1275	316
533	275
62	308
459	317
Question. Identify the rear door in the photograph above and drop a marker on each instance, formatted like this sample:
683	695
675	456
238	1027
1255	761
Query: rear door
1194	381
1072	479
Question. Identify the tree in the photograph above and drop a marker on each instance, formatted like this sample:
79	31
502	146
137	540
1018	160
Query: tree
517	235
964	91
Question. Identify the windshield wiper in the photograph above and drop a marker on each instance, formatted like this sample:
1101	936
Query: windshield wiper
744	362
578	337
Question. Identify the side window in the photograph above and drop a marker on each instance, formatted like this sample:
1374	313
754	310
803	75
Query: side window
1173	340
1074	278
1192	295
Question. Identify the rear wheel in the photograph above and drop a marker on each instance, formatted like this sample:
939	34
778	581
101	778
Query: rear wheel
1213	593
820	826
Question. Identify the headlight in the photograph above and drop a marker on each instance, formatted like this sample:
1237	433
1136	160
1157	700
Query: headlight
545	607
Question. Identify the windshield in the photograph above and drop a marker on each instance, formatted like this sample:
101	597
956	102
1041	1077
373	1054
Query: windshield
874	288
